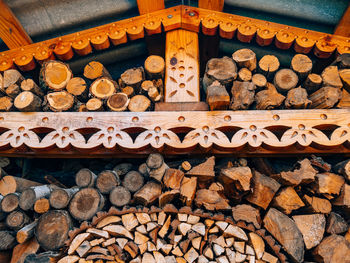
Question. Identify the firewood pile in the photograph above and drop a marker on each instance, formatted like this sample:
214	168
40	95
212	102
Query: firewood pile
58	90
194	210
242	82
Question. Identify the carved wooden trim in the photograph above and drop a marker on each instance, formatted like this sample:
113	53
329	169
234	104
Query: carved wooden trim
111	133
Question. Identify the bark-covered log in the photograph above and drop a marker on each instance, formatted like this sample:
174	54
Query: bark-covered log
17	219
285	80
312	83
242	95
302	65
118	102
245	58
132	77
85	178
94	70
11	184
30	85
120	196
54	75
103	88
133	181
32	194
155	67
26	232
60	198
268	66
10	202
217	96
27	101
106	181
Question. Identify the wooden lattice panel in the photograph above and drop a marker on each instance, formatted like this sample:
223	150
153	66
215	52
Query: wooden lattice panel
243	132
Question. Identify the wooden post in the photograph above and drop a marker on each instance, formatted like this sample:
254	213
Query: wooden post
11	30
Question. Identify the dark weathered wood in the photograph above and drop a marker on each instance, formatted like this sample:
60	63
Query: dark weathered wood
32	194
133	181
16	220
336	224
106	181
242	95
297	99
118	102
120	196
60	198
8	239
10	202
85	178
11	184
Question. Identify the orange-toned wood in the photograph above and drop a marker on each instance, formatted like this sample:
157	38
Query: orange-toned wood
63	50
117	35
181	67
135	32
149	6
153	26
6	63
264	36
82	46
227	30
324	47
100	41
217	5
343	27
246	32
304	44
25	62
210	26
284	39
11	30
43	53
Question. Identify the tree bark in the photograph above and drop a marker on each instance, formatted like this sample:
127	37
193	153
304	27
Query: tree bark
11	184
30	85
106	181
32	194
85	178
245	58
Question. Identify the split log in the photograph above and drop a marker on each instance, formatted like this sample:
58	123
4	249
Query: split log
120	196
156	166
204	171
52	229
269	65
329	183
60	101
133	181
264	189
85	178
168	196
235	179
188	189
343	168
9	202
94	70
287	200
155	67
94	104
42	205
302	65
211	200
258	244
303	175
336	224
26	232
286	232
106	181
133	78
285	80
344	75
242	95
222	69
148	194
16	220
318	205
244	74
8	239
13	91
297	99
86	203
333	248
344	197
30	85
129	91
78	88
247	213
172	178
103	88
21	251
312	83
330	77
11	76
217	96
245	58
30	195
118	102
60	198
11	184
6	103
325	98
27	101
259	80
139	103
54	75
268	99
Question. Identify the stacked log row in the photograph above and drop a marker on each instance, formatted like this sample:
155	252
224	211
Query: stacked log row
242	82
59	90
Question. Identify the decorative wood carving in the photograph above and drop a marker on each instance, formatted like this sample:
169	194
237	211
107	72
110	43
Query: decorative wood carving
110	133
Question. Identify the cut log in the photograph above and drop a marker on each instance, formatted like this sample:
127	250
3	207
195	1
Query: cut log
217	96
6	103
106	181
333	248
285	80
27	101
85	178
94	70
30	195
235	180
94	104
329	183
139	103
264	189
188	189
286	232
16	220
42	205
120	196
30	85
21	251
13	91
268	99
211	200
26	232
9	202
155	67
318	205
128	91
336	224
60	198
133	181
344	75
247	213
52	229
302	65
303	175
78	88
245	58
133	78
148	194
325	98
86	203
258	244
330	77
259	80
145	86
54	75
173	178
153	94
11	76
103	88
269	65
297	99
312	83
242	95
244	74
222	69
60	101
8	239
118	102
11	184
287	200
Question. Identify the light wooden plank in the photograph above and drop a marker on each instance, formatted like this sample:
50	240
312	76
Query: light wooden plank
149	6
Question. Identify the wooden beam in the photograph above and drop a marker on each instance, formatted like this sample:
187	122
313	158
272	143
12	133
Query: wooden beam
149	6
343	27
11	30
216	5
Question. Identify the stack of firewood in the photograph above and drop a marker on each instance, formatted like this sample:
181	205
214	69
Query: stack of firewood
241	83
58	90
305	208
